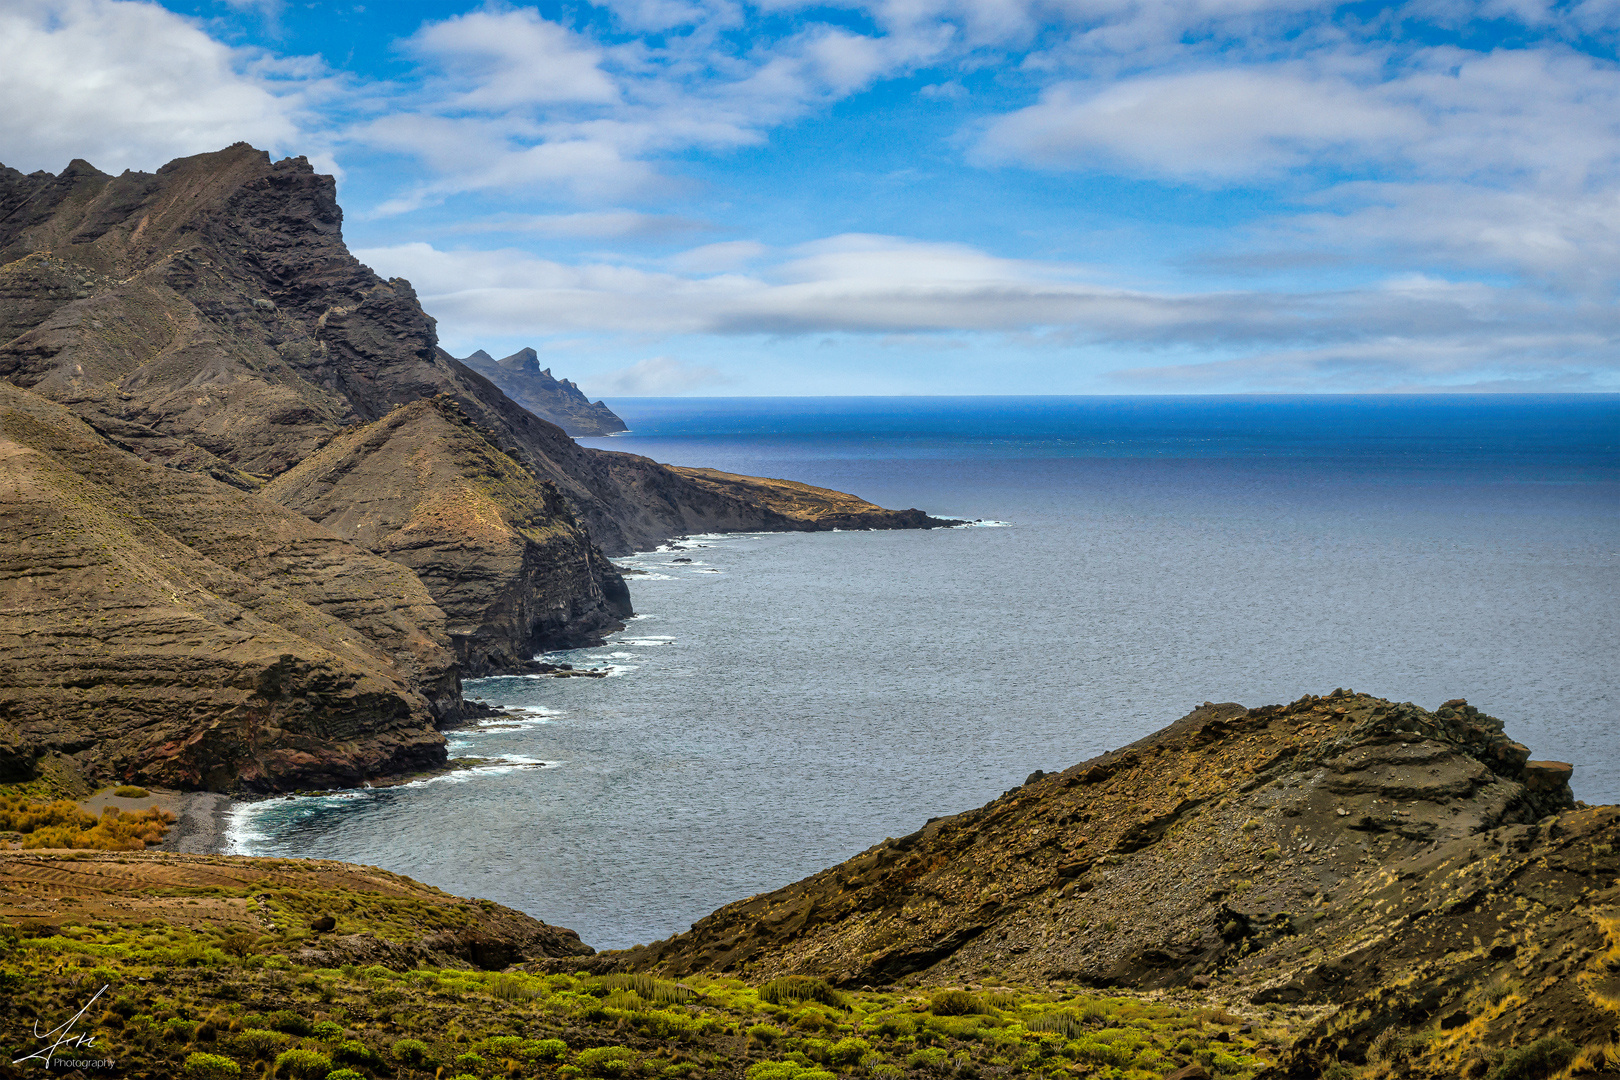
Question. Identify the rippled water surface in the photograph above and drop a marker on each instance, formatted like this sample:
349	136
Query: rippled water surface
783	701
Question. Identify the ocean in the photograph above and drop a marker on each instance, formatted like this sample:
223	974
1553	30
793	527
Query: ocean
783	701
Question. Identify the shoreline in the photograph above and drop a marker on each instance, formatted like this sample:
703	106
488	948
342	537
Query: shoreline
202	818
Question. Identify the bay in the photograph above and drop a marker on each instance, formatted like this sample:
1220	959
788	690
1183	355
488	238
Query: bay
783	701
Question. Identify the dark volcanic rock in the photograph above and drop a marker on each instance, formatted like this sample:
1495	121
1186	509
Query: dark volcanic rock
209	317
497	548
210	331
557	400
1341	851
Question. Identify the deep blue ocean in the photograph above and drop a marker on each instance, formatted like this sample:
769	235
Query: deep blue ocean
782	702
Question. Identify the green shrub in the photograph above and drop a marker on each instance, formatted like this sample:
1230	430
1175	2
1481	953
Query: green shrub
211	1067
516	988
786	1070
848	1051
302	1065
1540	1059
130	791
345	1074
798	988
292	1023
544	1049
955	1003
1065	1024
351	1052
471	1062
607	1060
259	1043
327	1031
412	1052
765	1033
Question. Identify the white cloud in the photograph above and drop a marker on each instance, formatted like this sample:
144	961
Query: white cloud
658	376
616	224
131	85
878	286
498	59
713	258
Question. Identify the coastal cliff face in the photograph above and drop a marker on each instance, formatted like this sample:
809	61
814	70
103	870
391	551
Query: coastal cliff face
495	546
550	398
1401	865
159	626
210	318
258	524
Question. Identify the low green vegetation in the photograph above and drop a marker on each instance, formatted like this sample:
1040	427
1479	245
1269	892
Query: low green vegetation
178	1004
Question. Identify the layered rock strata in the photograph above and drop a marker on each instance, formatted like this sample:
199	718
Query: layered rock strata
558	400
495	545
159	626
1410	869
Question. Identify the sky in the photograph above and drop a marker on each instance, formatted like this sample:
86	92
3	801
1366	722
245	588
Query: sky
720	197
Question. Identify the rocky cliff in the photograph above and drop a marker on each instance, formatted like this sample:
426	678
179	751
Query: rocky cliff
495	545
258	523
558	400
209	317
1409	871
160	626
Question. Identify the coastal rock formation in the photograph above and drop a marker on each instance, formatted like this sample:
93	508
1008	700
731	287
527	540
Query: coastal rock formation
549	398
160	626
186	355
495	546
209	317
813	509
1410	868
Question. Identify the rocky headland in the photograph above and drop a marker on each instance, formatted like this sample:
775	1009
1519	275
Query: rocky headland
258	525
559	400
1411	875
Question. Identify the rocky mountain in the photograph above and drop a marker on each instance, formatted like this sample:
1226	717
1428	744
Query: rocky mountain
1411	873
336	520
558	400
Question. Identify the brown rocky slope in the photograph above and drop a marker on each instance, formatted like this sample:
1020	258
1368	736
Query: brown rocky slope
210	316
1410	870
494	544
159	626
205	329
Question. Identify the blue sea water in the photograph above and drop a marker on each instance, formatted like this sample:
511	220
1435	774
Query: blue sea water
781	702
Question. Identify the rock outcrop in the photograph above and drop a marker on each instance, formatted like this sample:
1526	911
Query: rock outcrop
496	546
558	400
257	523
160	626
209	317
1410	868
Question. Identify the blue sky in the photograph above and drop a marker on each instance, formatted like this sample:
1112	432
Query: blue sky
914	196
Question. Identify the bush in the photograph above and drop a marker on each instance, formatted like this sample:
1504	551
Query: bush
292	1023
327	1031
955	1003
764	1033
1065	1024
515	988
412	1052
211	1067
259	1043
351	1052
302	1065
544	1049
470	1062
796	988
786	1070
607	1060
130	791
62	824
240	944
345	1074
1540	1059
